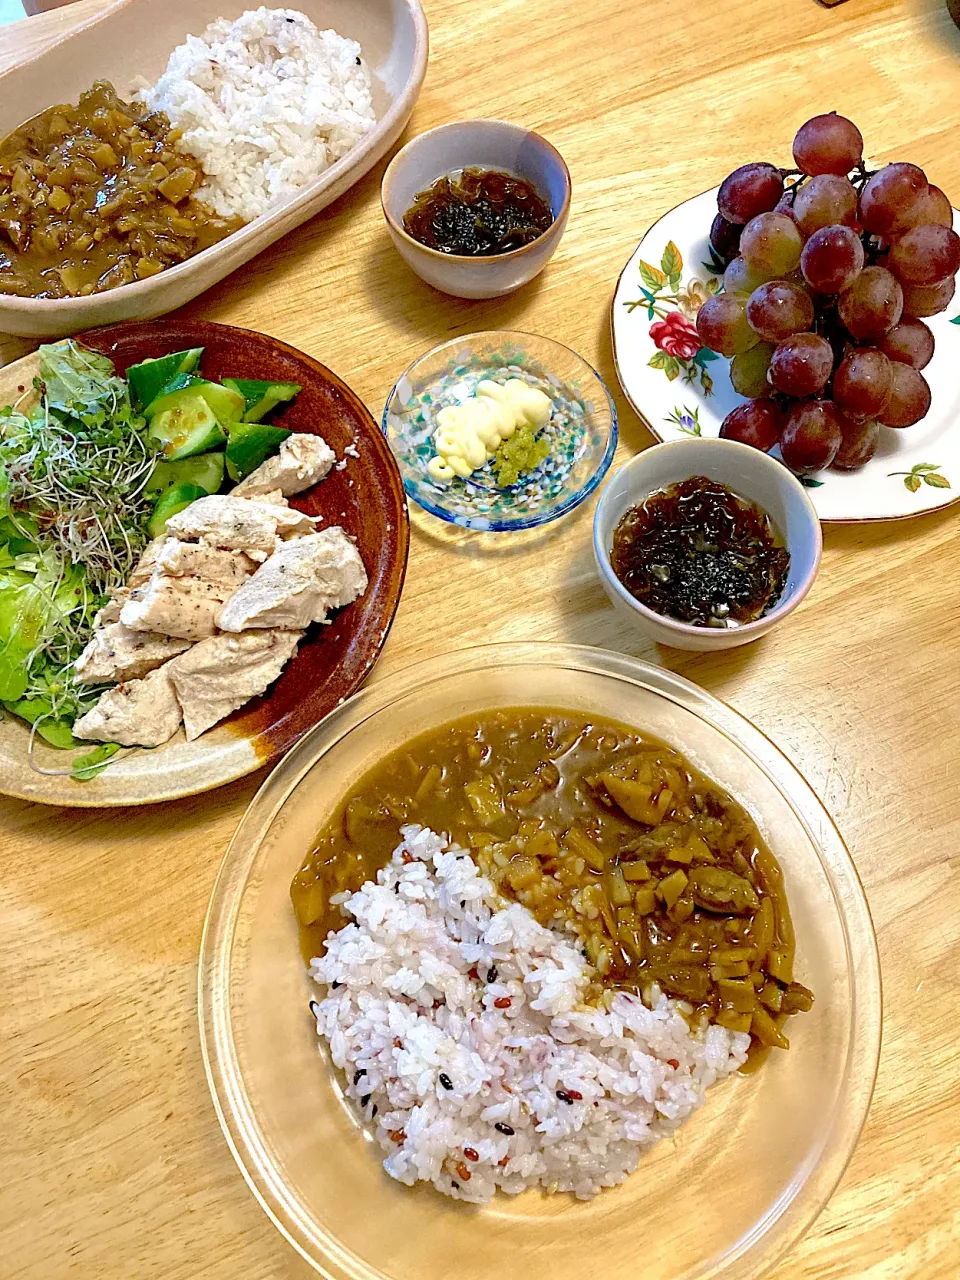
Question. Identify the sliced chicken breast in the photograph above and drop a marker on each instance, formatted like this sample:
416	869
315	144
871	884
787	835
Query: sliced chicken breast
301	461
300	583
219	675
182	607
117	653
140	574
144	566
189	583
242	524
137	713
227	569
111	610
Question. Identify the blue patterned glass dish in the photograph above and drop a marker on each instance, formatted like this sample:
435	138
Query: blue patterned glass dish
582	431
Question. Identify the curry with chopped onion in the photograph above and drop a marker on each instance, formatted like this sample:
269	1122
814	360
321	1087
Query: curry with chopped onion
97	195
659	873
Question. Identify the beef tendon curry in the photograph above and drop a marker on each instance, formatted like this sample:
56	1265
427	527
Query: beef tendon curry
659	873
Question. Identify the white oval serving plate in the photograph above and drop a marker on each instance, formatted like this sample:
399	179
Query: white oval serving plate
679	388
134	38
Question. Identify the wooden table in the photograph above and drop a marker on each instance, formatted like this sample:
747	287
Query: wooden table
112	1164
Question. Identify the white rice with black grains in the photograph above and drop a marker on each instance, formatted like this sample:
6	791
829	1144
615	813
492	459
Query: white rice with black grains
458	1021
266	104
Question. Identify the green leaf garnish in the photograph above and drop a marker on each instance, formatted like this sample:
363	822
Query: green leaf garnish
93	762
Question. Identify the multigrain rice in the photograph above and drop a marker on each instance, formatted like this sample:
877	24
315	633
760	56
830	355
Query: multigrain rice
266	104
458	1022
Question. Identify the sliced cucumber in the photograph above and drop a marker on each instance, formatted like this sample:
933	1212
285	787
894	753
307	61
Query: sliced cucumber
226	403
148	378
260	397
169	503
186	426
204	470
251	443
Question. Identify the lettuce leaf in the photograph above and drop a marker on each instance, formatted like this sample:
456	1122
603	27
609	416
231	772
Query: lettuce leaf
80	382
25	615
39	711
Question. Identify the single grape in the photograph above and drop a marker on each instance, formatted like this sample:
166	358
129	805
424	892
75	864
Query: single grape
910	342
748	371
740	277
858	445
811	436
722	325
935	209
925	255
725	237
825	201
892	198
928	300
832	259
778	309
862	382
828	144
751	189
801	365
758	423
872	305
909	396
771	243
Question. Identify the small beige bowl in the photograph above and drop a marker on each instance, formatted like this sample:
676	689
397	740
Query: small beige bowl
748	472
132	40
468	144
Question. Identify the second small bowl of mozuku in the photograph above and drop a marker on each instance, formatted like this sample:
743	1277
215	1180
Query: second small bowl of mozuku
754	477
581	433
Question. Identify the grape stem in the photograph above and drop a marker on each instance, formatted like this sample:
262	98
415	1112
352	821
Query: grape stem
792	189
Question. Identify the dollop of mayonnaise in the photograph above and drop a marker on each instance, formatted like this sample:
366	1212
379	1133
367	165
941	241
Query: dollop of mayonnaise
469	434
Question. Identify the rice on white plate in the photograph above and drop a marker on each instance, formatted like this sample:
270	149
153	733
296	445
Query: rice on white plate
458	1021
266	104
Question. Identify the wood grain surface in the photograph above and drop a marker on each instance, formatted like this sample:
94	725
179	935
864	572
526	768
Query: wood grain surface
112	1164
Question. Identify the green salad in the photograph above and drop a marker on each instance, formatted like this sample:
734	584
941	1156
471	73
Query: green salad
92	466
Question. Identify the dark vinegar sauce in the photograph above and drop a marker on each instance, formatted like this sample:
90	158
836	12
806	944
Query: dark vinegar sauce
478	214
697	552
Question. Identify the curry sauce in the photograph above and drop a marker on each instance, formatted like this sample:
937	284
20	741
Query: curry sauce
97	195
659	873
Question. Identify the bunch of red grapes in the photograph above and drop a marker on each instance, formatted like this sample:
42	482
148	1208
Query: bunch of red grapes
830	270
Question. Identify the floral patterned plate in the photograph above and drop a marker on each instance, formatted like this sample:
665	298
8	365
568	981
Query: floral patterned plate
679	387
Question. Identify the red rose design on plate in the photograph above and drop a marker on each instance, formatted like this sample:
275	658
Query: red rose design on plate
676	336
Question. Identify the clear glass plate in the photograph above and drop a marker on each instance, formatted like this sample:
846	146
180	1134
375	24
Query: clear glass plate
582	432
746	1175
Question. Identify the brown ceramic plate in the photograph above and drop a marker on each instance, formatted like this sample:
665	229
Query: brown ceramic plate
366	498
